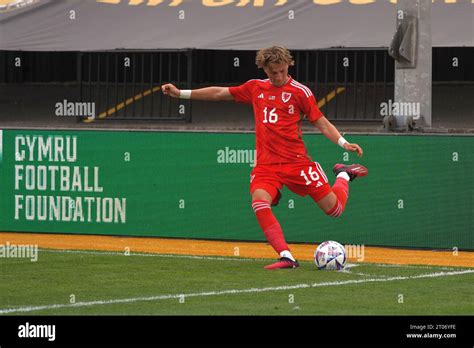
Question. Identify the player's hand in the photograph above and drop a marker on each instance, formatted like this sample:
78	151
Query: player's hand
171	90
354	148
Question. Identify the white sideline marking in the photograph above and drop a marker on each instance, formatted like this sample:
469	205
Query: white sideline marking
219	258
228	292
396	265
348	271
122	253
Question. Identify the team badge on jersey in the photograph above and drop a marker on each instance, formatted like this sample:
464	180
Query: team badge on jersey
285	96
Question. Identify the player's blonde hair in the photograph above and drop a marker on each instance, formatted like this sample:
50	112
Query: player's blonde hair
274	54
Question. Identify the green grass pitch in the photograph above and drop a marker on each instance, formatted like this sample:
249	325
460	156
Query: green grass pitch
101	283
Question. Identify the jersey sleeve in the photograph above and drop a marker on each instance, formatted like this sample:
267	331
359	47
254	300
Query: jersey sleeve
243	93
310	108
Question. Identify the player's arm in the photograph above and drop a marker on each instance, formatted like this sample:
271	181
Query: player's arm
207	93
331	132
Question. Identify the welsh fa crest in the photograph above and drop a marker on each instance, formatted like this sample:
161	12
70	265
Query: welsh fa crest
285	96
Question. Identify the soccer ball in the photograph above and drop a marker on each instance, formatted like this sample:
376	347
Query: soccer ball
330	255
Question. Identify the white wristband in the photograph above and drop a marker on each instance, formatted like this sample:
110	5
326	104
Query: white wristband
185	94
342	141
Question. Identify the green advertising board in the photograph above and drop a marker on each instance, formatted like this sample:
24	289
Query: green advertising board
419	191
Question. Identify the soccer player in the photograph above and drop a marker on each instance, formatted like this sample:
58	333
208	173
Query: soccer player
280	103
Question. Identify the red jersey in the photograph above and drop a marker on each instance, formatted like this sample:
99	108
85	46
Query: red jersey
279	113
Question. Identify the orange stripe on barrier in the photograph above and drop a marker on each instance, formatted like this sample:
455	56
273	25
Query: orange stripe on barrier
330	96
121	105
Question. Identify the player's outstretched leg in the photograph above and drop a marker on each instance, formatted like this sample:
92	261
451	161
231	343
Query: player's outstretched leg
272	230
344	174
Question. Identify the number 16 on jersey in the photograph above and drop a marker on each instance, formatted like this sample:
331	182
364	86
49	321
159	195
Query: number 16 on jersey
271	116
312	174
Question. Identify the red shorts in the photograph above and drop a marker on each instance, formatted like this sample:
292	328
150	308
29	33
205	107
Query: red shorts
303	178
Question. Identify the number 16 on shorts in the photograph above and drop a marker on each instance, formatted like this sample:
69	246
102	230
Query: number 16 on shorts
314	175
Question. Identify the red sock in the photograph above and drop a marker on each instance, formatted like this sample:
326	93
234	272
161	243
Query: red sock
341	190
270	226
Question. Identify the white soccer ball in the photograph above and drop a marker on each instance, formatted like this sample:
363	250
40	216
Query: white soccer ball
330	255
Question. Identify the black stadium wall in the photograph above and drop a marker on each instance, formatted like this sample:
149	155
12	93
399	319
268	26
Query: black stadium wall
450	64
